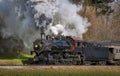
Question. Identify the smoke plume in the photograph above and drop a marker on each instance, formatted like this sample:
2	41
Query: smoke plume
21	20
63	15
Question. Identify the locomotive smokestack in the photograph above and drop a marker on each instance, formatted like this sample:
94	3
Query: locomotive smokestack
42	32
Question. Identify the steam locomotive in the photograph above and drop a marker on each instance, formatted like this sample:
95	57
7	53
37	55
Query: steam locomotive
72	50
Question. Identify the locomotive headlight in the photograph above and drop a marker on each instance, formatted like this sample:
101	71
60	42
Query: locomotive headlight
36	46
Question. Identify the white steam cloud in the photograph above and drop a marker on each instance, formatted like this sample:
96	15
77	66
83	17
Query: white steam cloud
71	23
64	17
21	18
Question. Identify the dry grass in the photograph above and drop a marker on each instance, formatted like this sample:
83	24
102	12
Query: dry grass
62	71
10	62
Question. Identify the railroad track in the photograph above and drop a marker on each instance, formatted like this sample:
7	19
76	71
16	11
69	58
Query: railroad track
32	67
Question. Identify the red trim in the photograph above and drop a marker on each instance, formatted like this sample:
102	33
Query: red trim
77	38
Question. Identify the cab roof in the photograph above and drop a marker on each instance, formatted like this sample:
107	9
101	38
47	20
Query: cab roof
76	38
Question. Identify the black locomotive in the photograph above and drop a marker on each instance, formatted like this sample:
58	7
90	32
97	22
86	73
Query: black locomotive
72	50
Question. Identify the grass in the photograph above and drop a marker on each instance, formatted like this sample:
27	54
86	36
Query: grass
21	56
56	72
51	71
60	71
14	59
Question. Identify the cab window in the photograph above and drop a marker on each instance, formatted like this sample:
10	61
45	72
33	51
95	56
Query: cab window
117	50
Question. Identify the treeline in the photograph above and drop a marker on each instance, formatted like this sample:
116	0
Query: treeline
9	45
104	16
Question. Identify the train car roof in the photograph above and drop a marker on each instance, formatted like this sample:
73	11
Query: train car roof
77	39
